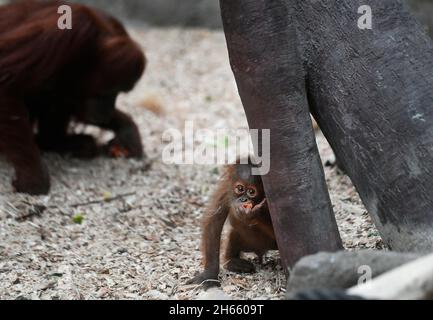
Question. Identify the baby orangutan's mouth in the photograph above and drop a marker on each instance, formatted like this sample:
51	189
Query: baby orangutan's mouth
246	210
247	206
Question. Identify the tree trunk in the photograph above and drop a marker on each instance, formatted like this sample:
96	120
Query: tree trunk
268	70
371	92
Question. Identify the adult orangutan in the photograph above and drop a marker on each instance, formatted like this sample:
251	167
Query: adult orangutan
49	77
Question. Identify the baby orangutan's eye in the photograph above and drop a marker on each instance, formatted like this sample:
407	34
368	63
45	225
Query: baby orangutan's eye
240	189
251	192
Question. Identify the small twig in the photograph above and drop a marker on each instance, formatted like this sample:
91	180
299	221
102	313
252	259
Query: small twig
11	207
118	197
36	211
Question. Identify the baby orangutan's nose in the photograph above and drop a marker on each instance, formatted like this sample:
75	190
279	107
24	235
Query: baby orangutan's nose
243	199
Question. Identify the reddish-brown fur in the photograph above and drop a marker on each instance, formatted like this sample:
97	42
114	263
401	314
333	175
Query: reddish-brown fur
251	225
49	77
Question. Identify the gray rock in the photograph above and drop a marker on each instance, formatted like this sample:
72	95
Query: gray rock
213	294
342	269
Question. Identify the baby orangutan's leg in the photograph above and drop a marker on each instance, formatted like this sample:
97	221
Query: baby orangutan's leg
233	260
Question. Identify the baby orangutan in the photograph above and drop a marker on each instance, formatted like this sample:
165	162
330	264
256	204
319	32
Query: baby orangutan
241	198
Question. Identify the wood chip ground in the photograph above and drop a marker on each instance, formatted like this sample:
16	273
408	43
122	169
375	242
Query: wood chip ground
125	229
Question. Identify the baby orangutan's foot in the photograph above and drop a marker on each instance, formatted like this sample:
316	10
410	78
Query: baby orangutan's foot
206	280
240	266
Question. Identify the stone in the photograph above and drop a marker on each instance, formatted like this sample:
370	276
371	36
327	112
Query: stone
343	269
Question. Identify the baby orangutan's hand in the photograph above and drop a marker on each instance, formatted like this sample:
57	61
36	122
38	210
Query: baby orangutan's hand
261	206
117	151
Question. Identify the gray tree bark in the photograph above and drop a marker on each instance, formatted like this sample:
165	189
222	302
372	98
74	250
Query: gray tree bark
371	92
262	45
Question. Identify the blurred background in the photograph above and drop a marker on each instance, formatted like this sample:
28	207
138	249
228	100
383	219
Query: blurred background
195	13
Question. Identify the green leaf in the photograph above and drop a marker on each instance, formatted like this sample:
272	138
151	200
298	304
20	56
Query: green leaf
78	219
